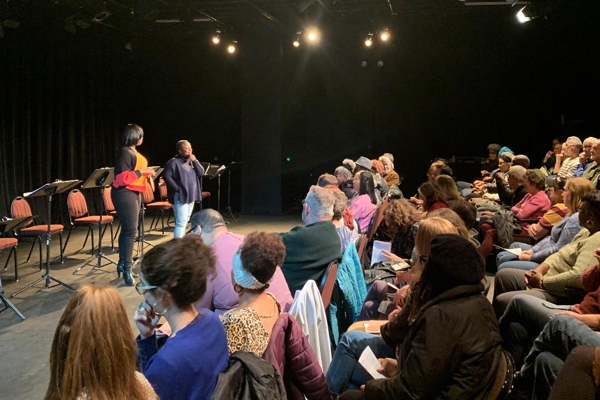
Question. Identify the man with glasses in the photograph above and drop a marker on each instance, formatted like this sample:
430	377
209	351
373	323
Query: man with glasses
567	160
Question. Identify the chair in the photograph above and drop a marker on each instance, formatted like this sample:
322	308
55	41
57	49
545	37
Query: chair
110	208
10	243
328	283
362	246
80	216
378	218
19	208
504	382
159	207
8	304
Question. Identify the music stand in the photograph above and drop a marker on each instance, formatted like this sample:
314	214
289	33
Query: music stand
49	190
100	178
8	304
212	172
228	209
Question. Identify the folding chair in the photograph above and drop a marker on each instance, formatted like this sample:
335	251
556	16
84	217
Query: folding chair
328	283
110	209
159	207
80	216
20	208
378	218
10	243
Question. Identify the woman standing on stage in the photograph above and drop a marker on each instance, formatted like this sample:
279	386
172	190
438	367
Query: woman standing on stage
181	176
131	172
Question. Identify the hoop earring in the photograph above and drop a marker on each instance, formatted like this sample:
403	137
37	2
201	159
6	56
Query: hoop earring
237	288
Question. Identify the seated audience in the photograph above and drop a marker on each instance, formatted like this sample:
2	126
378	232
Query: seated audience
220	296
432	197
455	220
592	172
349	164
585	157
491	163
555	214
511	191
488	184
402	222
438	168
550	158
249	326
344	182
365	203
561	234
391	176
567	160
173	276
88	363
380	184
362	164
448	186
327	179
434	361
522	160
345	225
466	211
310	248
559	273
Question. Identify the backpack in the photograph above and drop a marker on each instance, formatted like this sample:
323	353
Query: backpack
248	377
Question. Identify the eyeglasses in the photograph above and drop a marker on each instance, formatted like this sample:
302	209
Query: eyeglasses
141	288
423	260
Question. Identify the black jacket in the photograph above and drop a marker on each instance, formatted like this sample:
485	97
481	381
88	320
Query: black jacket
509	197
450	350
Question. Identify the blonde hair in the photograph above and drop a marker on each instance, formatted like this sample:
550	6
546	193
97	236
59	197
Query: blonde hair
84	359
578	187
428	229
589	141
453	218
448	186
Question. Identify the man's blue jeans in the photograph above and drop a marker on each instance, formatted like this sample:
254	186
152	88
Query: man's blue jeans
182	211
345	372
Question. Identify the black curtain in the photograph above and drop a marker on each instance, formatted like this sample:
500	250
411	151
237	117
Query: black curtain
61	109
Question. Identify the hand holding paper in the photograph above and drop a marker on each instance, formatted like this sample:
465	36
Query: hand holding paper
370	363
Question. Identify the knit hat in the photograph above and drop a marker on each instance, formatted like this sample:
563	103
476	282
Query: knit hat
364	162
456	259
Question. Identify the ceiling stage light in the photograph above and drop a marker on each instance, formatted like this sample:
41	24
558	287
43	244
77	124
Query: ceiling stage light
368	42
522	17
296	43
231	49
385	36
216	40
313	36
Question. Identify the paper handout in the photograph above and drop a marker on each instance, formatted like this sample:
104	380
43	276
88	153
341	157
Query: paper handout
516	251
370	363
378	247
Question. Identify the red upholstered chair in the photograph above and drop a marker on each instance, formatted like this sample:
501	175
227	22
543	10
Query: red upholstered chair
20	208
158	207
80	216
10	243
109	207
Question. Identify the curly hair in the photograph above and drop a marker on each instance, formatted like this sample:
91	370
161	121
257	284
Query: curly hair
400	215
377	167
181	267
261	253
536	178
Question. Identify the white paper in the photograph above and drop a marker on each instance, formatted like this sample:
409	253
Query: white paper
370	363
378	247
516	251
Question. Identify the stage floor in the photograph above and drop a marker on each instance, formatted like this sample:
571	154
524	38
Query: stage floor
25	346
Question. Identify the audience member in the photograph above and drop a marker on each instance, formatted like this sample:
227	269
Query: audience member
432	197
448	186
402	221
362	164
555	214
391	176
491	163
173	276
454	219
560	272
567	160
511	191
466	211
345	182
585	157
550	158
365	203
522	160
378	171
87	363
327	179
580	376
349	164
347	228
438	168
592	172
310	248
220	295
249	326
561	234
432	359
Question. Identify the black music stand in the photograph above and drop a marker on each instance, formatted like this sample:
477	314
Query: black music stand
8	304
100	178
212	172
12	224
49	190
228	210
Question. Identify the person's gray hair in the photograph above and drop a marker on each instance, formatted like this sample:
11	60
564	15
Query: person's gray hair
180	144
574	140
321	202
521	160
518	172
390	156
349	164
208	219
386	160
341	170
589	141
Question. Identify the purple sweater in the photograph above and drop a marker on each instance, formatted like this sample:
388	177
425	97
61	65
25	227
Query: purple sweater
181	176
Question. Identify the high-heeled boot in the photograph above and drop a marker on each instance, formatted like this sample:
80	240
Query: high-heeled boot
127	275
120	268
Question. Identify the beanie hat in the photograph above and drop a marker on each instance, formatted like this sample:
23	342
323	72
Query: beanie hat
455	258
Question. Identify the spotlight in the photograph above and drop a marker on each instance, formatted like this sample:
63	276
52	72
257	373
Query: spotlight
216	39
385	36
522	17
369	40
231	49
296	43
313	36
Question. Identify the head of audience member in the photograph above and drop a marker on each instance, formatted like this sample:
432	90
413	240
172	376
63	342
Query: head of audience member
400	215
448	186
377	167
493	150
362	164
390	156
84	361
438	168
587	146
516	176
534	181
595	152
589	211
327	179
364	183
174	275
556	141
132	135
318	205
466	211
505	162
557	146
388	165
340	203
521	160
453	218
256	262
431	193
572	147
342	175
428	229
556	190
574	190
452	261
349	164
184	148
209	224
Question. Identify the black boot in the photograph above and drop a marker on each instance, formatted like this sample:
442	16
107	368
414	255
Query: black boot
119	268
127	275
